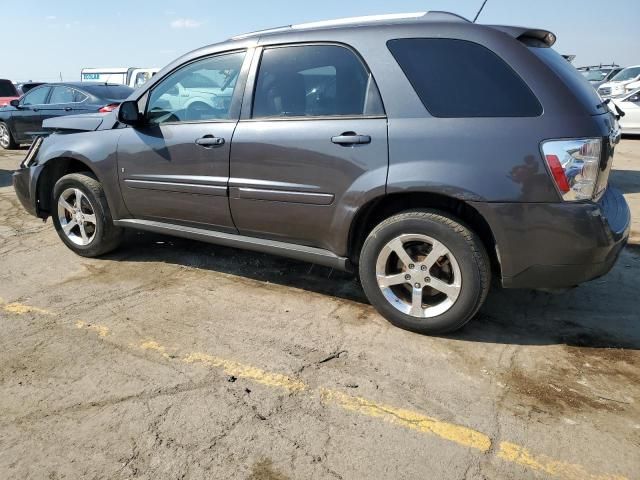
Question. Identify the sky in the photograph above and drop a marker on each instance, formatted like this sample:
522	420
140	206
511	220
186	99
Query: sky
48	39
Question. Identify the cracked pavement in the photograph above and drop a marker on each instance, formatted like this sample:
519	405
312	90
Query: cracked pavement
175	359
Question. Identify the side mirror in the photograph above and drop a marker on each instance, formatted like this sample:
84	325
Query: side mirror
15	103
129	114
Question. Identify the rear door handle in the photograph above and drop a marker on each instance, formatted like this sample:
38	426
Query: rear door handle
209	141
351	138
67	109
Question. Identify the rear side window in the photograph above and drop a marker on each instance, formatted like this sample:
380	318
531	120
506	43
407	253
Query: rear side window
457	78
313	81
110	92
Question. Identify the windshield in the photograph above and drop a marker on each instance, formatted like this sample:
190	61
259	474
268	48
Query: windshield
111	92
627	74
595	75
7	89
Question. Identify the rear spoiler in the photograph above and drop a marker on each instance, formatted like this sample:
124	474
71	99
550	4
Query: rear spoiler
534	37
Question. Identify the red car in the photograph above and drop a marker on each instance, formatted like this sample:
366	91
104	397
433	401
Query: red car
8	92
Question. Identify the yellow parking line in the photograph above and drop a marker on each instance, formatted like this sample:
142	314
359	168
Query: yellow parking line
247	371
509	452
101	330
513	453
406	418
21	309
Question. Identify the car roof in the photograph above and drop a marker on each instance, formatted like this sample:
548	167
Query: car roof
394	19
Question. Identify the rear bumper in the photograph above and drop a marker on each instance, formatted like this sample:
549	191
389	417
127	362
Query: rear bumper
558	245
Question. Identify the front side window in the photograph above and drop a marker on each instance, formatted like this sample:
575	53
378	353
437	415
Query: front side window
37	96
458	78
201	91
314	80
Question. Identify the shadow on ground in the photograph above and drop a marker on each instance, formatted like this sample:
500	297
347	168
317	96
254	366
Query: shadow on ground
5	178
599	314
627	181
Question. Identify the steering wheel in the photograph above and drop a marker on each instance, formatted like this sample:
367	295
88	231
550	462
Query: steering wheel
199	110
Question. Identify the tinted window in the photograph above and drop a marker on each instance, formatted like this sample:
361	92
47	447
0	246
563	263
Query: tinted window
314	80
61	94
109	92
7	89
200	91
37	96
576	83
457	78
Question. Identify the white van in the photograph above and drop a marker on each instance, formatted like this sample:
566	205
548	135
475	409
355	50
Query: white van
130	76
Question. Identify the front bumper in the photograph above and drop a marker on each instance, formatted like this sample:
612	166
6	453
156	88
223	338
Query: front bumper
558	245
25	182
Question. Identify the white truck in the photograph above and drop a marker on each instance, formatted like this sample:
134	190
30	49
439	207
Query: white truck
130	76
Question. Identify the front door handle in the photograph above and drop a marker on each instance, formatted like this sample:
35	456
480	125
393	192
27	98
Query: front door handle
209	141
67	109
351	138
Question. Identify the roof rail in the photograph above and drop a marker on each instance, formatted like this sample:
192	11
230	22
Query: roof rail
367	19
445	16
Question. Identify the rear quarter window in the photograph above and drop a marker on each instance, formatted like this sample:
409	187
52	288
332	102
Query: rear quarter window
457	78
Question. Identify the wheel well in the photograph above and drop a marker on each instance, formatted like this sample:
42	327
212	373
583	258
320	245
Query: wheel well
377	210
53	171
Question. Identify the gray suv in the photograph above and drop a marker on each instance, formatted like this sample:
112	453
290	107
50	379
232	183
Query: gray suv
423	151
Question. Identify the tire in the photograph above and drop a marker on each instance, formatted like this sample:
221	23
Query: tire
441	293
6	138
100	237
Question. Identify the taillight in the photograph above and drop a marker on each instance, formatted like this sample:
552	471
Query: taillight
574	166
109	108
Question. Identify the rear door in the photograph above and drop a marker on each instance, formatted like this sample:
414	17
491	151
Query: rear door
313	140
64	100
175	167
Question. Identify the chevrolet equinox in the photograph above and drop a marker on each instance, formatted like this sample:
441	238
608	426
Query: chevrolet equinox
426	152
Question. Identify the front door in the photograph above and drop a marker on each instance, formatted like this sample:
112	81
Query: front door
175	168
631	108
28	118
314	141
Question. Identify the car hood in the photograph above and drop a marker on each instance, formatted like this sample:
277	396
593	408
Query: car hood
75	123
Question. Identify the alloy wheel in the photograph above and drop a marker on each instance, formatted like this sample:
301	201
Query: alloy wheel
5	136
418	275
77	216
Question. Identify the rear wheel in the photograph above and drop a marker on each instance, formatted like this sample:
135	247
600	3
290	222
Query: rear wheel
6	139
81	216
425	271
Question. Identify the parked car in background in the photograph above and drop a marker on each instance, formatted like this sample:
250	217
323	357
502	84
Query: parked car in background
630	105
8	92
24	87
130	76
624	82
23	119
597	75
342	146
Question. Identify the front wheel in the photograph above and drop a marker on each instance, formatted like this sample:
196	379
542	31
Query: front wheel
6	139
81	216
425	271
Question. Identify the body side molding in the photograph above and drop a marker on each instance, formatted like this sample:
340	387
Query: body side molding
274	247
